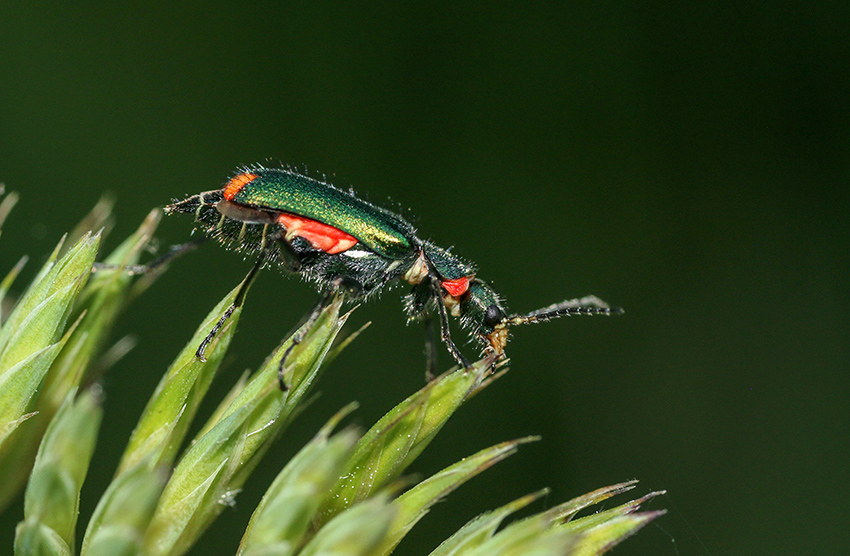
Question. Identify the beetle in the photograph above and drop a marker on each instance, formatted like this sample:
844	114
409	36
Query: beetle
336	240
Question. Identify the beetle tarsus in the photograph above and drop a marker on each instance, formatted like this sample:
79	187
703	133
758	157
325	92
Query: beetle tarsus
173	252
299	336
200	353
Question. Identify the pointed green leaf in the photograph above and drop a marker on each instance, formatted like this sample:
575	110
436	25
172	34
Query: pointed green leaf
415	503
357	531
564	512
225	404
17	388
122	516
283	517
212	471
602	538
39	329
344	343
533	536
587	523
547	533
481	528
39	318
37	539
53	492
400	436
99	217
172	407
17	445
6	205
95	310
276	408
20	437
198	485
101	301
8	281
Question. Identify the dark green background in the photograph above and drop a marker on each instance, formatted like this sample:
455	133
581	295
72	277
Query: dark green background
688	162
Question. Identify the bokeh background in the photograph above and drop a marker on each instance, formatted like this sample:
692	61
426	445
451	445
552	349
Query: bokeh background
689	162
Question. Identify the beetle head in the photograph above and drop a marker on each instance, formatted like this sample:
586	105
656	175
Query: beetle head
483	313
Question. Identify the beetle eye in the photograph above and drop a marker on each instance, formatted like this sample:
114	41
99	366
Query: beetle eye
493	316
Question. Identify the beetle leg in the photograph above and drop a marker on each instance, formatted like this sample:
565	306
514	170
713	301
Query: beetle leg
308	324
290	257
430	349
445	335
237	302
173	252
294	263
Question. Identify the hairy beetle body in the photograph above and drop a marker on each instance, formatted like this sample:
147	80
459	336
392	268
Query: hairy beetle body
334	239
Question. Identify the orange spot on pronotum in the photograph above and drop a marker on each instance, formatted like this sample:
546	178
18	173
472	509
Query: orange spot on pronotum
236	184
321	236
456	287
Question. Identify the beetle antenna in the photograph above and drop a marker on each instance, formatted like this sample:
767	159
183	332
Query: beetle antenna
590	305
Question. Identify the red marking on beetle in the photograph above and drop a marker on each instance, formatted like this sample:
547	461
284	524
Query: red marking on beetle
237	183
321	236
456	287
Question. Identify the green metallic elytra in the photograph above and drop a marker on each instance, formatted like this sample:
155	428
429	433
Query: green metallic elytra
380	230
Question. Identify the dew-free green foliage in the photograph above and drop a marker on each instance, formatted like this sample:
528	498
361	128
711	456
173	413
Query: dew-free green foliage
344	493
65	290
52	500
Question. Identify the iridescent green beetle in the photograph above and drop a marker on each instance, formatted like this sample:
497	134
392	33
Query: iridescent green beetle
336	240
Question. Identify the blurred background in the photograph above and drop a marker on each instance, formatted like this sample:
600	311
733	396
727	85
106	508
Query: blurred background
687	162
